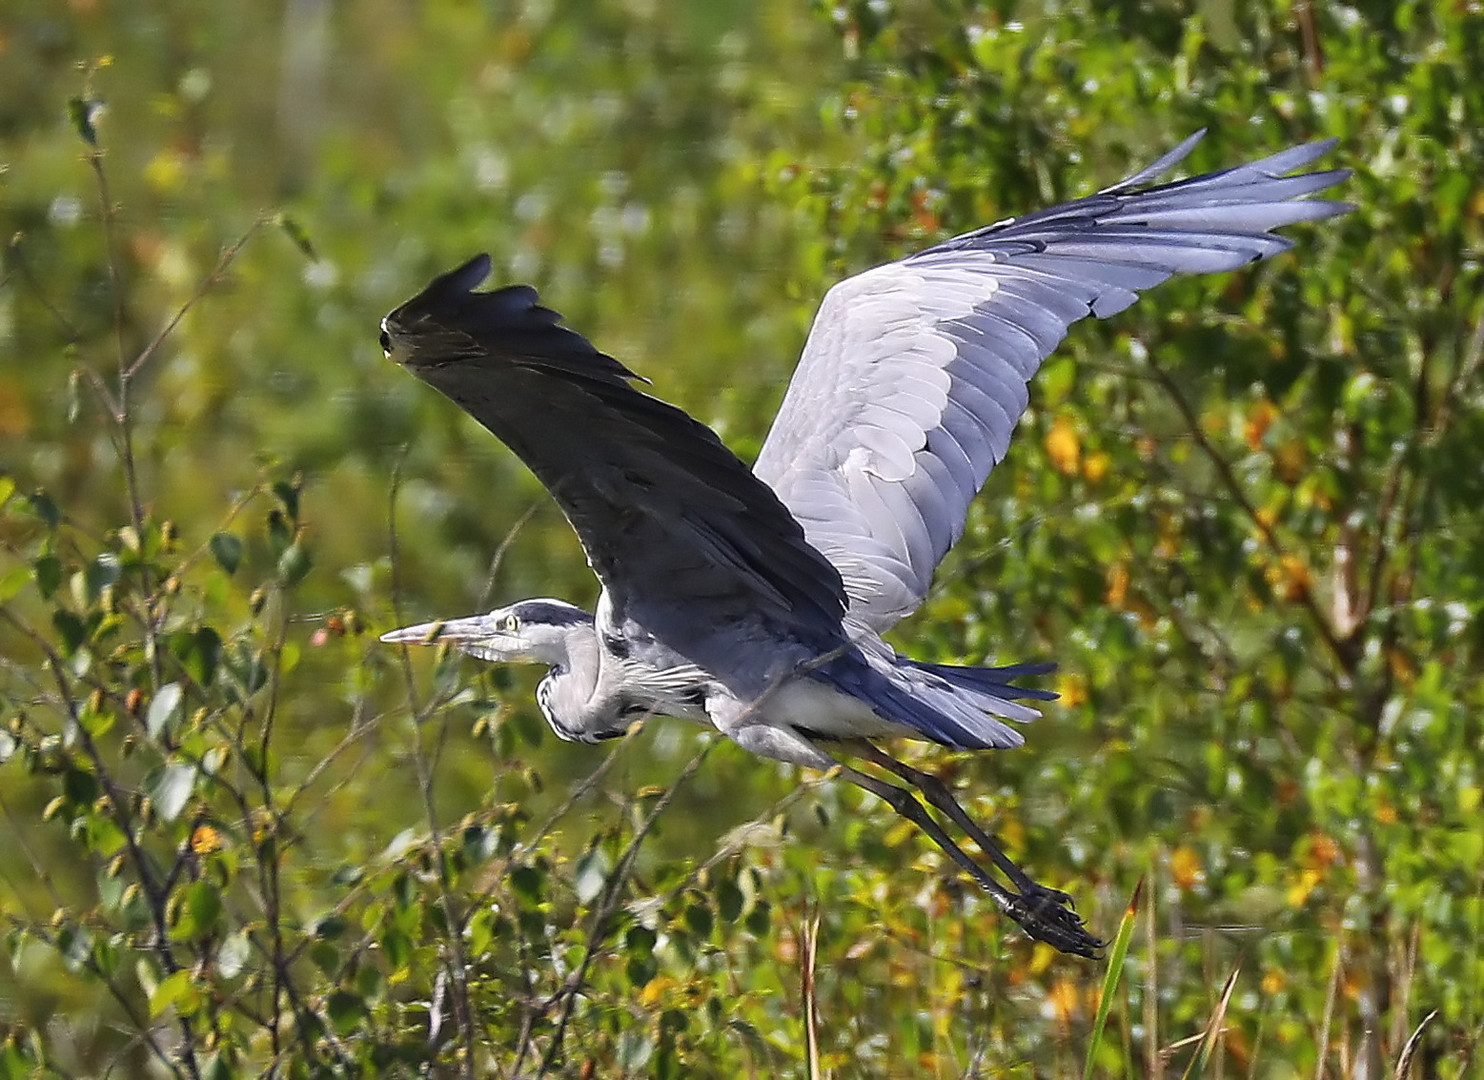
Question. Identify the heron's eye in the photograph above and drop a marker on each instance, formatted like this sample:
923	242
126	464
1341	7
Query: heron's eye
510	624
386	342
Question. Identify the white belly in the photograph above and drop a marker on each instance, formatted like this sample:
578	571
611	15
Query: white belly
824	710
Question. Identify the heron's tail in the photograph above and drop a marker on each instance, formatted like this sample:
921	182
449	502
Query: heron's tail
993	681
963	707
967	707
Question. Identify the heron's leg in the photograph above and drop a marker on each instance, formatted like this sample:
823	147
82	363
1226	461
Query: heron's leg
1040	918
1035	911
787	744
937	793
902	801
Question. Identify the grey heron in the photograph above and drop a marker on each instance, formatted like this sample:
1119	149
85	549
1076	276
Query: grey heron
754	599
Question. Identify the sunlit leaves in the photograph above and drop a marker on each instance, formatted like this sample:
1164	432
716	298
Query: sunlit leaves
170	789
212	758
164	709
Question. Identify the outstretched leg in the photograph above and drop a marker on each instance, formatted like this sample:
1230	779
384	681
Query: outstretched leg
937	793
1036	908
1039	911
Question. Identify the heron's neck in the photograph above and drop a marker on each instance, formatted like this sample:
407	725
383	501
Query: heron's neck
573	695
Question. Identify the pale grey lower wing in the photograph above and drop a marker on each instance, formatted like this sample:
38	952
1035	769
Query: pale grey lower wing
915	373
681	533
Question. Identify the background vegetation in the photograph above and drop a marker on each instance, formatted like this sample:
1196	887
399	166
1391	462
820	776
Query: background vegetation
242	838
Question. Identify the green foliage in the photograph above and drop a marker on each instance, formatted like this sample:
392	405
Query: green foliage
242	838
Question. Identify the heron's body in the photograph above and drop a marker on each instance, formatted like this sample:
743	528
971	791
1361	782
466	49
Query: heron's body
754	599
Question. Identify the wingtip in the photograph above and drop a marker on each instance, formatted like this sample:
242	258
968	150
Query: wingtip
1158	168
470	274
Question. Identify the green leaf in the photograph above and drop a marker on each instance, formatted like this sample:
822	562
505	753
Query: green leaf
199	911
296	232
226	549
1116	957
15	1064
294	564
42	506
75	943
48	570
330	926
396	946
164	710
480	844
199	652
178	990
13	581
634	1049
83	112
81	787
529	883
100	574
70	629
346	1010
288	496
169	788
592	872
729	900
698	919
232	954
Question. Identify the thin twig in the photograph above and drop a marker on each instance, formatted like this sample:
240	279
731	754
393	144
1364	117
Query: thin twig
459	966
598	933
207	284
808	956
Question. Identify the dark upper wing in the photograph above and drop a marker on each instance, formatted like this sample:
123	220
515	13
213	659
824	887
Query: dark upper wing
678	530
915	373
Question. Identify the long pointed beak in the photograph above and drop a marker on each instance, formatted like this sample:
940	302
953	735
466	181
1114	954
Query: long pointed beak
452	631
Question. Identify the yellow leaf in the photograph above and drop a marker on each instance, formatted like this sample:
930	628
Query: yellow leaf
1289	461
1402	668
1299	891
1095	467
1259	418
1185	867
1063	447
205	840
1291	578
1062	1001
165	172
1073	690
654	990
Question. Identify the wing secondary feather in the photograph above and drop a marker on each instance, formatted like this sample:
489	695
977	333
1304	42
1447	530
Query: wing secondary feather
914	374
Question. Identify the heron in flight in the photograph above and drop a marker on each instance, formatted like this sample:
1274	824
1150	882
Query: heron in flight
754	599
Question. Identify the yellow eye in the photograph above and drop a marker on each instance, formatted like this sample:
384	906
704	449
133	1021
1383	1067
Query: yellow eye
510	624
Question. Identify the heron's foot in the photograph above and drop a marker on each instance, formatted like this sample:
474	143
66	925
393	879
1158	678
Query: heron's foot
1048	915
1039	895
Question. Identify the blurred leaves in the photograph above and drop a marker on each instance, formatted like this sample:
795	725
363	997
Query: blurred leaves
1244	516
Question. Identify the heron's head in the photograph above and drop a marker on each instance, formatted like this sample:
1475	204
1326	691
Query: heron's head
532	631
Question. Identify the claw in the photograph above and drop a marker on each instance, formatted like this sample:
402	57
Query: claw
1053	921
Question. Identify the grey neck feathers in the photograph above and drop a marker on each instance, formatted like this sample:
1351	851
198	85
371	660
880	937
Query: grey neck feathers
577	700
